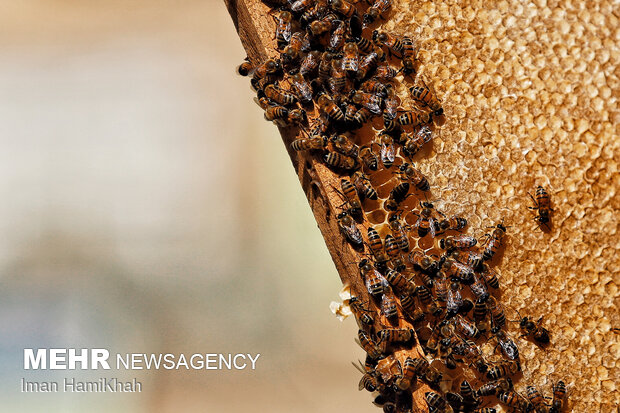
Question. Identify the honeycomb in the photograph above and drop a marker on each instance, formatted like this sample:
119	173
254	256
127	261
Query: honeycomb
515	90
530	94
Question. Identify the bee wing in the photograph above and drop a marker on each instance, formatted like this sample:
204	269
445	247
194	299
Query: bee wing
387	153
354	64
432	225
373	106
303	89
352	233
391	108
288	32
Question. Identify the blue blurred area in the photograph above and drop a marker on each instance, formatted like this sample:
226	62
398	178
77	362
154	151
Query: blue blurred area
148	207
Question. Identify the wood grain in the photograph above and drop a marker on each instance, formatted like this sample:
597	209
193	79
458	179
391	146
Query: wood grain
256	28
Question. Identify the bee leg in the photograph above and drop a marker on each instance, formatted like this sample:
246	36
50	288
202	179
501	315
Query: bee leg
486	238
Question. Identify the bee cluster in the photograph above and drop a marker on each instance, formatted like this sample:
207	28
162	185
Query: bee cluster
338	81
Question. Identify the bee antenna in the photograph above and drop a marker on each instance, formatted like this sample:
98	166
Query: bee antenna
358	367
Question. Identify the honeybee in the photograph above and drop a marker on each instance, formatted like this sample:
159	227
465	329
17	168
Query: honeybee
410	55
469	398
337	38
325	67
454	301
349	112
391	104
422	261
494	387
513	399
509	348
276	112
319	9
279	95
345	146
376	10
407	302
368	62
423	94
284	27
301	5
375	282
367	343
455	400
459	242
559	395
309	144
320	126
361	116
536	399
369	158
375	87
435	402
350	61
399	282
376	246
424	295
480	314
245	68
385	72
364	45
469	258
389	306
388	151
441	288
408	374
497	314
389	336
338	81
393	44
453	223
504	369
472	353
310	63
363	185
340	161
490	276
425	222
324	25
426	371
413	144
533	330
303	88
397	195
494	241
293	51
415	176
542	203
351	197
268	67
344	8
361	313
393	252
414	118
327	106
478	288
347	226
368	382
371	102
458	271
465	327
399	230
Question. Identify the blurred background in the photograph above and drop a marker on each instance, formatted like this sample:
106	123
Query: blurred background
148	207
